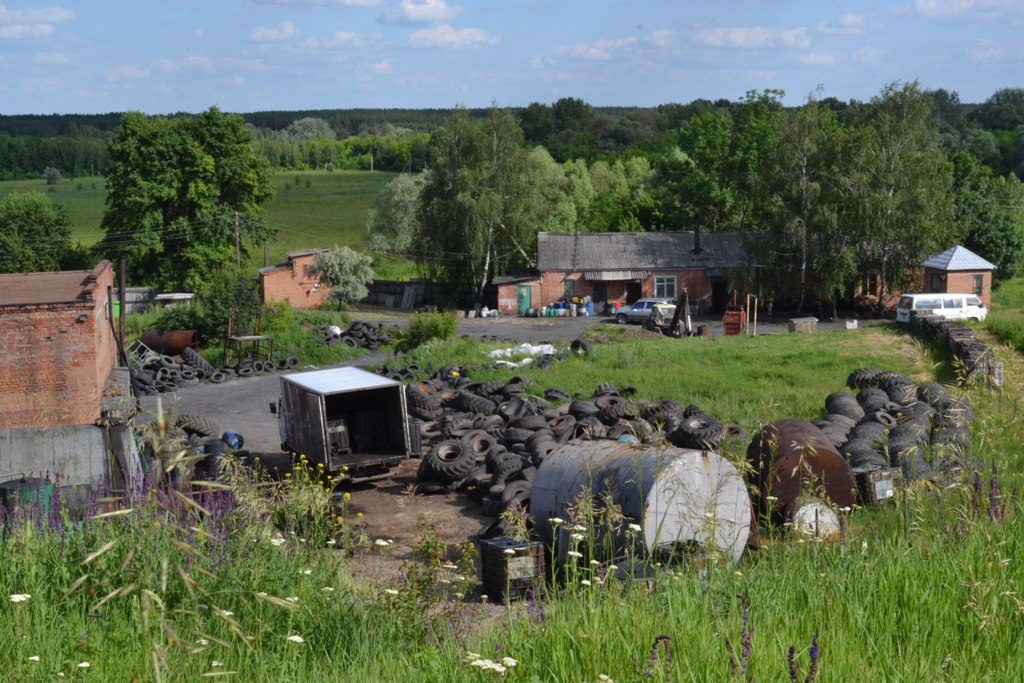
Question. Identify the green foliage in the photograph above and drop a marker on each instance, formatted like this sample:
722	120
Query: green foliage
346	272
292	332
35	233
180	192
991	211
1006	318
426	327
394	219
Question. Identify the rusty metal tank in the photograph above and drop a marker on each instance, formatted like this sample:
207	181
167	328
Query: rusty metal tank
791	461
170	342
680	498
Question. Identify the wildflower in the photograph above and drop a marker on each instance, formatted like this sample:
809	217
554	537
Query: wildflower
510	551
359	515
203	641
347	496
555	521
278	540
293	599
296	639
307	572
449	566
215	664
34	658
573	553
576	537
225	613
585	582
594	562
60	674
580	527
20	597
604	678
331	541
260	594
327	589
864	548
287	475
483	597
470	656
635	528
382	542
509	662
612	567
391	591
84	665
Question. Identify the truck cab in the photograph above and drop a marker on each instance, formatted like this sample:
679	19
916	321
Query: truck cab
347	419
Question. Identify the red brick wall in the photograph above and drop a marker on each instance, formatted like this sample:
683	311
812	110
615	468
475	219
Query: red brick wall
295	284
508	296
552	286
960	283
52	367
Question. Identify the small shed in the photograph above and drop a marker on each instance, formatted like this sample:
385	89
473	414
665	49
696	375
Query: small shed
959	270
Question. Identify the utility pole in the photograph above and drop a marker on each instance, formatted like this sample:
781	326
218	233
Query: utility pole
122	312
238	243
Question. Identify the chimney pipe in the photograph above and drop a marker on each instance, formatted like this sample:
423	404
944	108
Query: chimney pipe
697	248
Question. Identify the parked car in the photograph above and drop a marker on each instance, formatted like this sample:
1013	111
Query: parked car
638	311
951	306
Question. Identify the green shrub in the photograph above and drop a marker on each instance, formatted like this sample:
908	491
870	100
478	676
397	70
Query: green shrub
424	327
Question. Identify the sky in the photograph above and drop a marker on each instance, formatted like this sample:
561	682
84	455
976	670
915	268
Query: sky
249	55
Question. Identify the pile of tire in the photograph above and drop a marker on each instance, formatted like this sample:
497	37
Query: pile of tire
975	357
894	422
489	438
167	373
358	335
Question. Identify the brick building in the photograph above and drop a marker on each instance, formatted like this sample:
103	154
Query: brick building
57	347
959	271
626	266
293	281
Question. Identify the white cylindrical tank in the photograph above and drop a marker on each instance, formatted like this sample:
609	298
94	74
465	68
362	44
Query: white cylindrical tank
678	496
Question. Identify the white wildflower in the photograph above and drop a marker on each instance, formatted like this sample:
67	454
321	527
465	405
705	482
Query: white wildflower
449	566
510	551
470	656
84	665
391	591
580	527
331	541
555	521
577	537
292	599
215	664
307	572
594	562
635	528
864	548
203	641
327	589
509	662
604	678
225	613
34	658
261	594
573	553
20	597
278	540
296	639
585	582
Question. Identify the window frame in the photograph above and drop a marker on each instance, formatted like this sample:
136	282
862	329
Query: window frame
662	281
978	284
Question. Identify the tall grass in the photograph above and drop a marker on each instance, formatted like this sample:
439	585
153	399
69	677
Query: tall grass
1006	319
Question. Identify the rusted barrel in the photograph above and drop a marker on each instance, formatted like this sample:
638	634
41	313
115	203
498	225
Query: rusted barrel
682	499
792	460
170	342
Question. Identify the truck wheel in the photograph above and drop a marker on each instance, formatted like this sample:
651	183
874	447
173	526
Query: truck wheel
451	461
200	426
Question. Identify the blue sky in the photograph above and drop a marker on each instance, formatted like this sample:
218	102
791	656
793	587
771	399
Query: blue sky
244	55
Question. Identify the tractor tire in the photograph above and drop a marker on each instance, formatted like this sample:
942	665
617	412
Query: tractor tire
530	422
475	404
865	377
605	389
556	394
480	443
200	426
450	461
516	492
700	431
192	357
581	409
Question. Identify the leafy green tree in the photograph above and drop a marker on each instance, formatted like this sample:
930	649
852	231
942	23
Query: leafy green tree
550	201
35	233
896	180
51	175
991	211
394	219
537	121
346	272
180	192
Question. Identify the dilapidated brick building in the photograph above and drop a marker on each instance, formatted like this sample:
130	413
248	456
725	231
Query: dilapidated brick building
293	281
57	346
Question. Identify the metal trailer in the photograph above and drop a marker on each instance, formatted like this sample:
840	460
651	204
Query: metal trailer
345	418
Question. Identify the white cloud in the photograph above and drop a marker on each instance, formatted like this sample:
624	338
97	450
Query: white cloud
263	34
818	58
315	3
50	58
987	51
849	24
750	37
444	36
421	12
943	8
599	50
869	54
16	31
978	9
662	38
46	15
127	73
384	66
198	34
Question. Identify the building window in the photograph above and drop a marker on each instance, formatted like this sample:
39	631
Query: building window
570	287
979	284
665	286
936	282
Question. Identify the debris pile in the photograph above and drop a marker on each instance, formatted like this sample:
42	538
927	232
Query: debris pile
157	373
359	335
489	437
893	422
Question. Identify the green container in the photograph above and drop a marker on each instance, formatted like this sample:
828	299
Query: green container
30	491
117	308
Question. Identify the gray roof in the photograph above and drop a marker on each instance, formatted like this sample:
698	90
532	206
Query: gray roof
596	251
958	258
305	252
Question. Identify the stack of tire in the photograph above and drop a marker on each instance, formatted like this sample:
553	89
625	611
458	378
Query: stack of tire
359	335
892	422
167	373
488	438
974	354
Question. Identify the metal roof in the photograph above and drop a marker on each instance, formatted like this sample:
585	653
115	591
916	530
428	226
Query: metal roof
338	380
608	251
958	258
60	287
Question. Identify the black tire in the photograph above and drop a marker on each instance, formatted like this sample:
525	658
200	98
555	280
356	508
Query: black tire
556	394
426	413
514	435
516	385
580	409
516	492
200	426
531	422
243	370
699	431
475	404
538	437
932	393
614	408
495	386
621	319
605	389
562	425
349	340
450	461
590	428
192	357
581	347
506	465
480	443
864	377
693	410
491	506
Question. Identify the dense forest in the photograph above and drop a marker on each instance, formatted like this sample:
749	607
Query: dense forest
992	132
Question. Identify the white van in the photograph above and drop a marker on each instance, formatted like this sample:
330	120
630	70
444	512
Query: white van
952	306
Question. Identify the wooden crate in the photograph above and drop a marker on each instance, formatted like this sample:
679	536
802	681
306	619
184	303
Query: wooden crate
735	320
509	567
878	486
803	325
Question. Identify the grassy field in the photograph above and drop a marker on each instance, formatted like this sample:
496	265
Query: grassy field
310	209
1006	319
925	590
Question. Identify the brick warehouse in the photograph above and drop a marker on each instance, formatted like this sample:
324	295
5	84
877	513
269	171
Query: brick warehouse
57	348
293	281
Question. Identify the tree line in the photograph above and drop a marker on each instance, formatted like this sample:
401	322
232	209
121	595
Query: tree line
822	194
